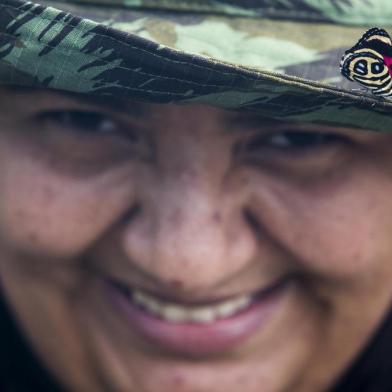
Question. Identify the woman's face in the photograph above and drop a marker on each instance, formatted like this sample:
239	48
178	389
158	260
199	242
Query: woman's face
258	252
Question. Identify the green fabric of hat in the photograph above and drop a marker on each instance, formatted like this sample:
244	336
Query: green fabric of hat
279	58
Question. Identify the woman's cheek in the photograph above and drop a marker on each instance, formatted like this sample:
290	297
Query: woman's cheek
338	228
349	228
49	215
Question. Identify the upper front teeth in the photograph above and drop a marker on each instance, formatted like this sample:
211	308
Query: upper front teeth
198	314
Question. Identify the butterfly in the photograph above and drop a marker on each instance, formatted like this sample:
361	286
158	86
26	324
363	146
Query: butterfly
369	62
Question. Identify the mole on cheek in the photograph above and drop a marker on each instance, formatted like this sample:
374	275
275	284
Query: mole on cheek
176	218
217	218
33	238
176	284
178	380
49	194
20	214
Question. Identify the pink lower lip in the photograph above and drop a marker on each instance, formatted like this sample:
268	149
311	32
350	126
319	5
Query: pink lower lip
196	339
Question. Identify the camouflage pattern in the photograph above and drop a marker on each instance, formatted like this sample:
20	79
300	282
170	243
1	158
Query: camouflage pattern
335	11
267	56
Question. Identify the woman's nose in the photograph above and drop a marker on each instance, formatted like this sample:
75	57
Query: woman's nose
188	229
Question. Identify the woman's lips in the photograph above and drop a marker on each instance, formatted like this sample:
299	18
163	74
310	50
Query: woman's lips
199	337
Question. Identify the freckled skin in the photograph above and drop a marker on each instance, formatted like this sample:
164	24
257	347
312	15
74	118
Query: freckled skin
179	210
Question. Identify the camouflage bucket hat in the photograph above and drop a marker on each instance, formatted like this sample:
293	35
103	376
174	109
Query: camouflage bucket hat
279	58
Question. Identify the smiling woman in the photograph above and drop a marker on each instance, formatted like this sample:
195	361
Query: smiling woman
190	243
172	222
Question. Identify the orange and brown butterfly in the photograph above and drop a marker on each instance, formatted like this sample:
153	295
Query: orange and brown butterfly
369	62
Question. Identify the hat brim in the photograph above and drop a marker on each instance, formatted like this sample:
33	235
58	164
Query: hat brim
75	49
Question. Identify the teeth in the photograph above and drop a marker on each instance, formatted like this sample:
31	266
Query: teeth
172	313
196	314
202	315
230	307
147	302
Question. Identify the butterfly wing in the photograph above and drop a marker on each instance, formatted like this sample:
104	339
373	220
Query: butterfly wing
374	38
369	62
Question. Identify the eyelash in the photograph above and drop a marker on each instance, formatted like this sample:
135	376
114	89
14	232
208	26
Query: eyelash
88	123
74	118
290	141
294	141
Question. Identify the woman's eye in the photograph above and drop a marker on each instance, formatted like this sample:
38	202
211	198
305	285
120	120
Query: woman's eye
294	141
80	121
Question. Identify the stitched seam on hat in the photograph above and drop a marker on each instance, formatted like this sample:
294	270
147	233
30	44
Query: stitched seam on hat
222	86
333	101
164	92
103	84
331	105
157	76
77	28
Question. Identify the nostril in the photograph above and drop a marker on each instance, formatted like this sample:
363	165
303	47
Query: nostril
251	219
176	284
131	213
